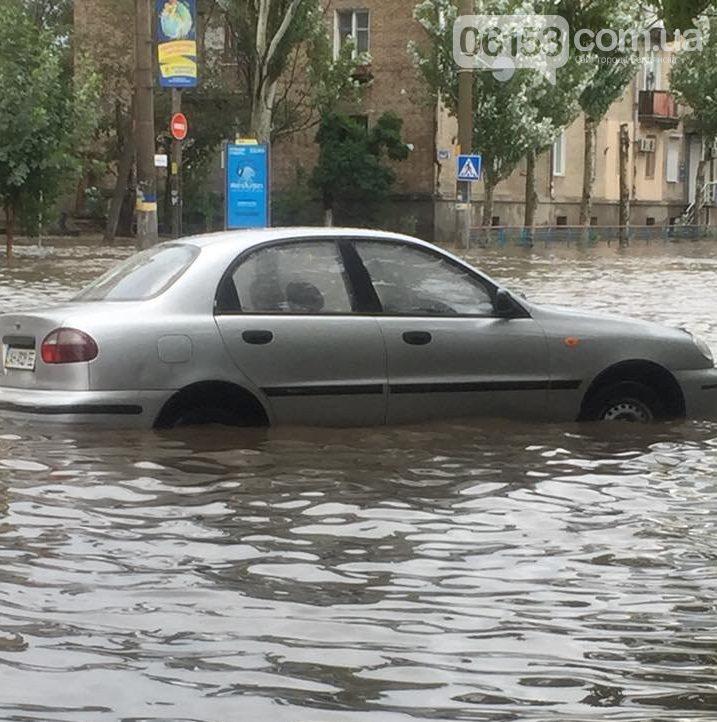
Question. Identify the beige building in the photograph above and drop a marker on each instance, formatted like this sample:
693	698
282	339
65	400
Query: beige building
663	163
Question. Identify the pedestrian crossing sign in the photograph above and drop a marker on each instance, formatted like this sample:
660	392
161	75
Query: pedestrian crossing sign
469	167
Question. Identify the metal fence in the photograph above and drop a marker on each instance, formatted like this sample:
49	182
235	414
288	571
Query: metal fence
580	235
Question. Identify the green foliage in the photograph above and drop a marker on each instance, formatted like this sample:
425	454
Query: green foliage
46	114
297	205
681	14
286	69
351	168
506	120
694	82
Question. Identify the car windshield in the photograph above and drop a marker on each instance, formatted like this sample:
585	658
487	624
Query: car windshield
143	276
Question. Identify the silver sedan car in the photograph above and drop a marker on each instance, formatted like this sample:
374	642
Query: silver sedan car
333	327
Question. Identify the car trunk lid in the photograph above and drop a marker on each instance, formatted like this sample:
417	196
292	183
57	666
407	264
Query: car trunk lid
21	336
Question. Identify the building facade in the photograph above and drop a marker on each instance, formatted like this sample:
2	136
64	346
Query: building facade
663	161
664	151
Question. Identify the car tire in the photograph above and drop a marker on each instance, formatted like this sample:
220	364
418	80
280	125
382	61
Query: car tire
628	401
203	415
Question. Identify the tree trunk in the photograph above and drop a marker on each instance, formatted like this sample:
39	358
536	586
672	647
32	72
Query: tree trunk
489	187
624	184
9	231
531	197
589	164
328	217
261	112
123	172
699	194
489	184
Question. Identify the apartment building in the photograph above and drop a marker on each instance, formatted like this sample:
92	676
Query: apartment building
383	29
663	162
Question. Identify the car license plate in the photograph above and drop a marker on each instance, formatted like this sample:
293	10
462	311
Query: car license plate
20	358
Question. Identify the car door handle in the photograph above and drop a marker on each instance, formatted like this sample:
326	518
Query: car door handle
417	338
258	338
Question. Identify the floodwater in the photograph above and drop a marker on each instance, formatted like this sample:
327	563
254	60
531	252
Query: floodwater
488	572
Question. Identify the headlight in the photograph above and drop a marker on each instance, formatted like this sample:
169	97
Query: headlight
703	347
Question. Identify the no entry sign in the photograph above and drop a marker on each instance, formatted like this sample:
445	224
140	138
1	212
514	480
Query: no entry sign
179	126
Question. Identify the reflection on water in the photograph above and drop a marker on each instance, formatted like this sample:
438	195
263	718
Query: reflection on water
471	572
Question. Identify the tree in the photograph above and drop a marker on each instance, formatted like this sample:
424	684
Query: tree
45	114
284	63
607	85
614	71
694	82
507	124
681	14
559	104
351	166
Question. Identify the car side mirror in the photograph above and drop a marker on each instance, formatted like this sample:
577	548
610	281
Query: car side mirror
505	306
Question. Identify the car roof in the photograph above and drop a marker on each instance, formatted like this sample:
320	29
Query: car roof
244	239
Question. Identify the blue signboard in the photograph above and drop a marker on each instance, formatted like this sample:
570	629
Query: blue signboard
177	43
247	186
469	167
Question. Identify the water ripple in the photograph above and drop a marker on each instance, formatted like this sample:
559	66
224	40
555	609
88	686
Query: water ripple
456	572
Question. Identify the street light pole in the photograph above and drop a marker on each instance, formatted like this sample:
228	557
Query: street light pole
147	232
465	137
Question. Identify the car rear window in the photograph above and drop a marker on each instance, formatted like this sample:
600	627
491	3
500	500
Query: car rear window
143	276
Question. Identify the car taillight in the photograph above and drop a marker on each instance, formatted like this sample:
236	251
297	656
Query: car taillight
68	346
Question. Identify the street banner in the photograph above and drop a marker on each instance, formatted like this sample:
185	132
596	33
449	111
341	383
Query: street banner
247	186
177	43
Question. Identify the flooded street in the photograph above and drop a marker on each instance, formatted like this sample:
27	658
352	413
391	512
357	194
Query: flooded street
489	572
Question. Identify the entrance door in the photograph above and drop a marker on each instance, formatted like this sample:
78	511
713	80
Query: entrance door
695	158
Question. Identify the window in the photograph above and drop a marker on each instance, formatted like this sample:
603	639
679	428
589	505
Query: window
559	153
650	221
299	278
410	281
672	172
143	276
352	24
561	221
650	159
651	71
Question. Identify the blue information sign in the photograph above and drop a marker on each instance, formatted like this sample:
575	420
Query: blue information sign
247	186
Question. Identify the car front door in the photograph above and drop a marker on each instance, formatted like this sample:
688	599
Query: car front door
286	314
449	354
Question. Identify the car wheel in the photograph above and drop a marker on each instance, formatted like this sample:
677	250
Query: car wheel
202	415
627	401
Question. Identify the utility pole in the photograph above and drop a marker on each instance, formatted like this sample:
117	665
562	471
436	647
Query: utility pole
465	137
175	170
147	233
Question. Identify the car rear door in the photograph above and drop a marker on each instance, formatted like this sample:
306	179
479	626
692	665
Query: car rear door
448	353
286	314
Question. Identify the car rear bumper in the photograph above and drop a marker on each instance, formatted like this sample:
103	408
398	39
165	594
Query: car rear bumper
700	391
125	409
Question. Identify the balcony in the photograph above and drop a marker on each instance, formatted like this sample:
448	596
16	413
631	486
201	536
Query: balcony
658	108
363	73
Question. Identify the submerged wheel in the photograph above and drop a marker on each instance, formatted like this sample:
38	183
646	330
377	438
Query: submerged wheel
212	402
628	401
